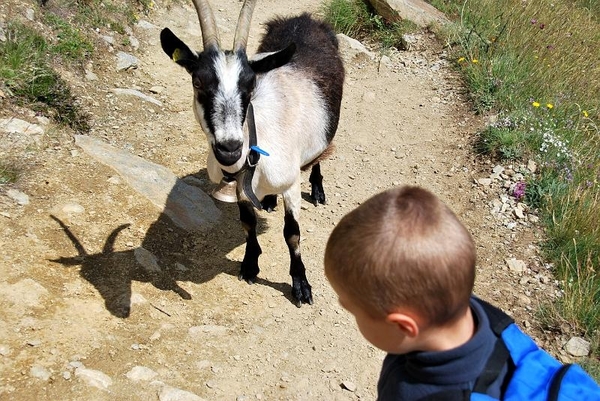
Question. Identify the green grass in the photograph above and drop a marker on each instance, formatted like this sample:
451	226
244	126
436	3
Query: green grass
537	67
31	81
9	172
29	55
356	19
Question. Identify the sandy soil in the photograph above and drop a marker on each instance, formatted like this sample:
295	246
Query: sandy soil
405	120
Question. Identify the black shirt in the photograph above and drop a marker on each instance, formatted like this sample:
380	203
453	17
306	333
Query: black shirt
419	374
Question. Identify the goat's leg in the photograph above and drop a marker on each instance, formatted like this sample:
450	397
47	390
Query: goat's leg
301	289
249	269
269	203
317	192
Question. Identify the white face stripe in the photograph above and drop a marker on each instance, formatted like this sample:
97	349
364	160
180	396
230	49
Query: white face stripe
227	115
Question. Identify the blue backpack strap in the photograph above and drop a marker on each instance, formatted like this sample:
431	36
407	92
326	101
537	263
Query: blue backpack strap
572	383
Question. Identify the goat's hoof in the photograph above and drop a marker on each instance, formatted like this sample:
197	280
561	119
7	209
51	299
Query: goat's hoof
318	197
248	280
302	292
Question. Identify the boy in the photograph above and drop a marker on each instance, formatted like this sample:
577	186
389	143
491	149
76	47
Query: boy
404	266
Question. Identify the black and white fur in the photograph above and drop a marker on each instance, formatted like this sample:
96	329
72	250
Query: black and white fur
295	84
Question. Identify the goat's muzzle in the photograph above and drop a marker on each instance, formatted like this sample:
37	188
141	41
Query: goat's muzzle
228	153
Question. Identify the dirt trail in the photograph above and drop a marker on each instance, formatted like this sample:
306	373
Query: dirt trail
404	121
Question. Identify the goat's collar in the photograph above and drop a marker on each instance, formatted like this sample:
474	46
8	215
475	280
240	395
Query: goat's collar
245	174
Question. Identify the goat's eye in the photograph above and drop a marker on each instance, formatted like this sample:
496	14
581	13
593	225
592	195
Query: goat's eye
197	83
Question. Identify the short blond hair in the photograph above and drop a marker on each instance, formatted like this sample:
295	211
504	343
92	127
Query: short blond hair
403	248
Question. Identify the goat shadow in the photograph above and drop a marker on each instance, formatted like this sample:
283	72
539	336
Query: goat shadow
181	255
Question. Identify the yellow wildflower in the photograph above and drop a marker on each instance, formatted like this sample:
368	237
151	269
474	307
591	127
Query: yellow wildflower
585	114
460	60
535	104
549	105
475	61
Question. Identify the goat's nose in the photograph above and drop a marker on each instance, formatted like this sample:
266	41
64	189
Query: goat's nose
228	152
229	146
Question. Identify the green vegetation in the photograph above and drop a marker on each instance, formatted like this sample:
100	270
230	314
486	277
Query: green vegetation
357	19
536	65
30	79
8	172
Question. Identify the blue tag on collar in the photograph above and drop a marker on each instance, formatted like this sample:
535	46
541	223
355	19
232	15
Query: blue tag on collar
259	150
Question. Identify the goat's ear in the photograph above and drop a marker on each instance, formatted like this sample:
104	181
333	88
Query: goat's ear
177	50
275	60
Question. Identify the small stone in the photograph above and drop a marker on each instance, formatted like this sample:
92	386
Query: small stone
90	75
532	166
73	208
20	197
139	373
485	182
126	61
147	260
168	393
157	89
348	385
94	378
66	375
40	372
30	14
515	265
17	126
577	346
519	213
4	350
115	180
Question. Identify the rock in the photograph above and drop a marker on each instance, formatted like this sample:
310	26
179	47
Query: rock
532	166
26	292
146	25
134	42
30	14
137	93
515	265
157	89
485	182
17	126
577	346
126	61
90	76
187	206
141	373
18	196
4	350
108	39
519	212
94	378
417	11
348	385
40	372
148	261
72	208
352	48
168	393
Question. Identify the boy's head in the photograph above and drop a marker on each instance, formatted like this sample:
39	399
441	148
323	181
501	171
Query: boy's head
403	249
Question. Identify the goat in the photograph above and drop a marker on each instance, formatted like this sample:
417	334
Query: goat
284	103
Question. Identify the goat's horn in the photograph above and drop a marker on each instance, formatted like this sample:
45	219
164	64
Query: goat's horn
243	26
210	36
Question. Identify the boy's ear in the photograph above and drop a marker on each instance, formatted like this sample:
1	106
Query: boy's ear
275	60
177	50
404	322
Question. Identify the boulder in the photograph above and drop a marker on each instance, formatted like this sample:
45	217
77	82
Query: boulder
417	11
